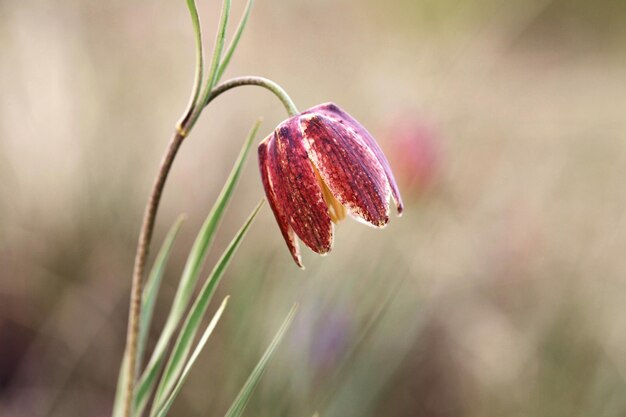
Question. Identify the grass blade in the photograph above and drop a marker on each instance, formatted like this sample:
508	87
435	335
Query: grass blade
233	44
236	409
195	22
217	51
118	404
181	349
196	352
153	284
190	275
218	48
150	293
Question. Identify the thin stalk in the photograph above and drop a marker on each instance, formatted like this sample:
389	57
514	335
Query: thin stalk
258	81
143	245
147	227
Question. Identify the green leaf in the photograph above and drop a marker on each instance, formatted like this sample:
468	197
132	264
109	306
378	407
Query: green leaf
217	50
181	349
233	44
236	409
196	352
191	119
153	284
190	276
195	21
118	405
150	293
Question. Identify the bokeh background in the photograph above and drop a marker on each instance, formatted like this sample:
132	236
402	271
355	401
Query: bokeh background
501	291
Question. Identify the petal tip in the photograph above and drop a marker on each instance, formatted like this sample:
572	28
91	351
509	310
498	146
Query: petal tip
383	223
375	223
324	252
295	254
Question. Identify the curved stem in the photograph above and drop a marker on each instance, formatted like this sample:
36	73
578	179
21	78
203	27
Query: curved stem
147	226
258	81
143	245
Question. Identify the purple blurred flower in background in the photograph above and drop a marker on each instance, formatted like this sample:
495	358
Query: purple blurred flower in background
316	167
332	338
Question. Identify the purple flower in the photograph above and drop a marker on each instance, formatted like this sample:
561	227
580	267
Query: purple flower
316	167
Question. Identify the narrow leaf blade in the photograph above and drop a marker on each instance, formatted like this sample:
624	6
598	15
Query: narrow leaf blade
181	349
236	409
153	284
190	275
235	42
217	51
150	293
196	352
118	405
195	22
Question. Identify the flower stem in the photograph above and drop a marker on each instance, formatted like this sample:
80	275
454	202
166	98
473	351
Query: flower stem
258	81
143	245
147	226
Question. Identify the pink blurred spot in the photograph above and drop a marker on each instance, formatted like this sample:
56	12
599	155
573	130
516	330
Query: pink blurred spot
414	149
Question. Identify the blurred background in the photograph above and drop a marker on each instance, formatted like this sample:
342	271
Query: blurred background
500	292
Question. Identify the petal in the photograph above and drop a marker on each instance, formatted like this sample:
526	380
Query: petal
281	219
348	167
335	113
297	189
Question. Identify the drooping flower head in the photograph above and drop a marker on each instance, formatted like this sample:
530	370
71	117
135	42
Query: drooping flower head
319	166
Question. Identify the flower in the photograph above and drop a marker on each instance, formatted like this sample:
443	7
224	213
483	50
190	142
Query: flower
316	167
